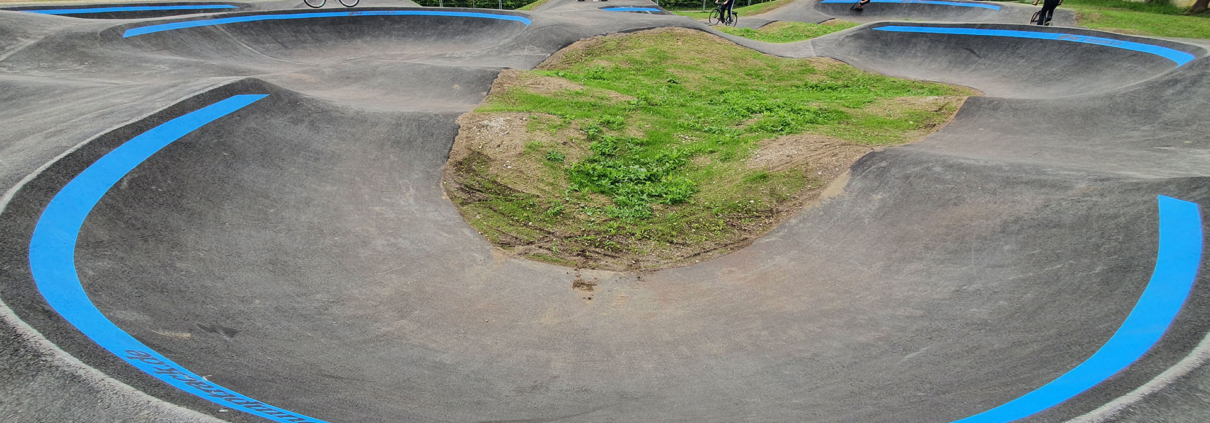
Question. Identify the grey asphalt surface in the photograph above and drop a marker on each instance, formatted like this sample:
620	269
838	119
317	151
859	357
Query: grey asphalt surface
1009	12
301	251
816	12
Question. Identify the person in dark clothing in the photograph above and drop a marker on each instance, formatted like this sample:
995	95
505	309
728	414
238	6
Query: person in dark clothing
728	5
1048	10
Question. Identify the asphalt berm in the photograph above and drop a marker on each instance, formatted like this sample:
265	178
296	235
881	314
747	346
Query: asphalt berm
289	241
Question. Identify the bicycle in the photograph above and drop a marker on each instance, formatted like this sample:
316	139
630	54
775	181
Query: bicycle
1033	20
716	16
320	3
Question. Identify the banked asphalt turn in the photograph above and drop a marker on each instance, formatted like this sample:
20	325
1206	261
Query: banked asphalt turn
227	215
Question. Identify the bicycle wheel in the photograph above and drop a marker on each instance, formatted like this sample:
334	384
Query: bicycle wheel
349	3
734	19
1034	19
315	3
714	18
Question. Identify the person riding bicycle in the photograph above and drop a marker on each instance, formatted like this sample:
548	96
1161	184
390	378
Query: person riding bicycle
726	14
1048	10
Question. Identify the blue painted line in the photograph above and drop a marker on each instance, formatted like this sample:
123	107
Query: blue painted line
52	260
934	2
632	9
129	9
1177	56
1176	265
315	15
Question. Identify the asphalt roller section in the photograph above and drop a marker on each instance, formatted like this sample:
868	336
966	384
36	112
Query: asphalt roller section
238	216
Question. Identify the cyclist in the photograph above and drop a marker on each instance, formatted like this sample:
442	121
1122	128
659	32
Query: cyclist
725	12
1048	10
861	5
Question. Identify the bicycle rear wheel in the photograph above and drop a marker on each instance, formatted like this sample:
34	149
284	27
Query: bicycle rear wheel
315	3
734	18
349	3
714	18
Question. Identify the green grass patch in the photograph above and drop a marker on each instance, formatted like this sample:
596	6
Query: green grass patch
1137	23
751	10
1157	19
788	32
646	156
533	5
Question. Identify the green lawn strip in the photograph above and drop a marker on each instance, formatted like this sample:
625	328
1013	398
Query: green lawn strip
1137	23
788	32
533	5
1157	19
661	170
752	10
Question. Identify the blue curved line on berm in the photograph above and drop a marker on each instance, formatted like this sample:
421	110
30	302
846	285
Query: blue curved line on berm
1176	265
86	10
1174	55
316	15
932	2
52	263
52	260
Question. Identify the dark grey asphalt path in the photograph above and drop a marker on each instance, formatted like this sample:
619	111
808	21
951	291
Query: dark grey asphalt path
157	9
908	10
300	251
942	11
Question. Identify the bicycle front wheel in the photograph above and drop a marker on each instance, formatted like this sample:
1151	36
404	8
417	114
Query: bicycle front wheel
349	3
315	3
714	18
734	19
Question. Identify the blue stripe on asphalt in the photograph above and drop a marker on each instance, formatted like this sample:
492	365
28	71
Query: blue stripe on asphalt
1177	56
941	3
631	9
313	15
52	260
1176	266
129	9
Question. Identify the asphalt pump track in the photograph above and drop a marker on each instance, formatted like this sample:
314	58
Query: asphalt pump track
238	215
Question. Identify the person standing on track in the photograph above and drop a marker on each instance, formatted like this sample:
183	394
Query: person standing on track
1048	10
